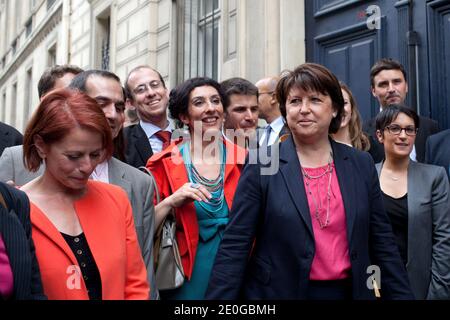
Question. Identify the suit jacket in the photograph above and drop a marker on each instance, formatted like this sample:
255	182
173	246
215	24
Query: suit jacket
137	146
170	174
427	128
105	216
9	136
428	262
137	185
438	150
271	218
15	229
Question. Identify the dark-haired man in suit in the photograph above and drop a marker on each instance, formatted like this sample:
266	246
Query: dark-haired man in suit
147	91
389	86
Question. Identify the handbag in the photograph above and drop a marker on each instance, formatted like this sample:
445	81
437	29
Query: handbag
169	273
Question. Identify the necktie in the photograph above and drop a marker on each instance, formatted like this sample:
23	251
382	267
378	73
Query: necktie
267	136
164	136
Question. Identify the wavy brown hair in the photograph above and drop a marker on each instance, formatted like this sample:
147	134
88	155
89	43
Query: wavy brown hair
358	138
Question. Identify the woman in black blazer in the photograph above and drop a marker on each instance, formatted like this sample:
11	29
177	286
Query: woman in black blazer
17	255
309	223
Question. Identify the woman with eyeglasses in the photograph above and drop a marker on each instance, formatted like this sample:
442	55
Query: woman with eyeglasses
416	197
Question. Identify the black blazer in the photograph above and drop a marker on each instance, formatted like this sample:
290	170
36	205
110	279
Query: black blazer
427	128
438	150
137	146
9	137
270	218
15	228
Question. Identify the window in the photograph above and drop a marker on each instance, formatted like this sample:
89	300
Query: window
51	57
102	40
14	46
3	110
29	27
200	37
50	4
28	96
12	119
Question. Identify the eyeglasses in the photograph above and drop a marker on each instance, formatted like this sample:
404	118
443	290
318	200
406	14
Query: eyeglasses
266	92
140	89
394	129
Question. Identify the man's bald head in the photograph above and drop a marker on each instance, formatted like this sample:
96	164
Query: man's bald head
269	108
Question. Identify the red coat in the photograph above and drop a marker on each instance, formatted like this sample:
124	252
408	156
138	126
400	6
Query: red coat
170	174
107	221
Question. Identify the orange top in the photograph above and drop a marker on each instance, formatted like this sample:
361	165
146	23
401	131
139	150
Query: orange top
106	218
170	174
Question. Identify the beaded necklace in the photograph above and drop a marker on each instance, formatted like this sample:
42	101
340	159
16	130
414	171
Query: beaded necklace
317	204
214	186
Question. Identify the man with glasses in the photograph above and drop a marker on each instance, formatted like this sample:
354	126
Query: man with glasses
148	93
269	110
389	86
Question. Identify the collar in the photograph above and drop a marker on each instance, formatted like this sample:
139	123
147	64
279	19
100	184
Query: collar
277	124
150	129
100	172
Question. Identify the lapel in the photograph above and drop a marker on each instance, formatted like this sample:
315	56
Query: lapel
142	144
116	174
14	238
290	170
347	186
42	223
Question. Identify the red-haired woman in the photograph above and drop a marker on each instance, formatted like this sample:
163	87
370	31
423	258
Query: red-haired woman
83	230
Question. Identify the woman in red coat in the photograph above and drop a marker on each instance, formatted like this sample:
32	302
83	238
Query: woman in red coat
83	230
197	176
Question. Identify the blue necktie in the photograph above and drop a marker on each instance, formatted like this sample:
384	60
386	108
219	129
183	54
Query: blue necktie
267	137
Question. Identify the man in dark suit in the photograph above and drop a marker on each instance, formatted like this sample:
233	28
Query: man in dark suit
269	110
438	150
9	137
148	93
389	86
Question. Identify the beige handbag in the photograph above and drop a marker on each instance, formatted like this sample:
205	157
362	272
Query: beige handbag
169	273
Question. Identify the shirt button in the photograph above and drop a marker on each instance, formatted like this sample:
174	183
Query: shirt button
76	240
83	265
80	252
85	278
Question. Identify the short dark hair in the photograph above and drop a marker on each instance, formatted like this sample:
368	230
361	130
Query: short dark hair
49	77
312	77
79	83
385	64
238	86
80	80
179	96
129	92
391	112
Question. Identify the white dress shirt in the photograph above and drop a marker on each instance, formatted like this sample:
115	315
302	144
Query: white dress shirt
276	125
101	172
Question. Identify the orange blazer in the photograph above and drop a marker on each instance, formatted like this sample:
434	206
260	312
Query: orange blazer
170	175
107	221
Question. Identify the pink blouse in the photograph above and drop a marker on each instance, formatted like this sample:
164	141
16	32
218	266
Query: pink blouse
331	260
6	275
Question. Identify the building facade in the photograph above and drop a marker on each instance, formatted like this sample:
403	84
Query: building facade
180	38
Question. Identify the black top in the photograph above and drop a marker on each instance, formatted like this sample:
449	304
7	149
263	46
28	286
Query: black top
397	210
89	270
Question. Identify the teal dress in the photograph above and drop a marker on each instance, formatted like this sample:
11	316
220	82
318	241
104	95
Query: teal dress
212	218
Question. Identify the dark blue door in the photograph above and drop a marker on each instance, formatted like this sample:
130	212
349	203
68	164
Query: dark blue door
349	36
